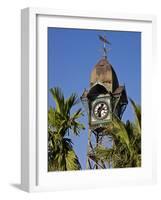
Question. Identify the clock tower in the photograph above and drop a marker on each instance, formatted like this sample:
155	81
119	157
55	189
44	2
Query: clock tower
104	99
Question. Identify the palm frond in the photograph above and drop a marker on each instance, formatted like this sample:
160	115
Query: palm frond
61	123
126	142
70	102
58	97
72	162
120	131
137	111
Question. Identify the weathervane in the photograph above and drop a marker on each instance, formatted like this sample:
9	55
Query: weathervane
105	41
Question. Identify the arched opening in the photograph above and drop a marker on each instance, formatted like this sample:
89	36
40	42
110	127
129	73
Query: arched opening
96	90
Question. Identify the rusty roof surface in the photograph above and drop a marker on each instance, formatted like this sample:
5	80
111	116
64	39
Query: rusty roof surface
119	90
103	72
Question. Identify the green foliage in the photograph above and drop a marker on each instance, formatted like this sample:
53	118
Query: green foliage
126	137
61	123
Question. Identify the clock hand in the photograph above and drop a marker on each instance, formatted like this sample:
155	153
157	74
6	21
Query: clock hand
100	110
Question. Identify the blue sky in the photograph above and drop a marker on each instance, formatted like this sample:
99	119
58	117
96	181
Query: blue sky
72	54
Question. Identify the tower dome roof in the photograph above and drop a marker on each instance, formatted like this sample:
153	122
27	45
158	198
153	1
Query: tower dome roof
105	74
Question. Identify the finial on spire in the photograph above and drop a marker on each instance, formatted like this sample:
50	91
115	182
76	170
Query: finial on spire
105	42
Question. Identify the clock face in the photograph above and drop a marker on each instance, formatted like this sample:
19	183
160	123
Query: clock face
100	110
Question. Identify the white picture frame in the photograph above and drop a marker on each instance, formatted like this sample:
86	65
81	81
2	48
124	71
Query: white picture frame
34	176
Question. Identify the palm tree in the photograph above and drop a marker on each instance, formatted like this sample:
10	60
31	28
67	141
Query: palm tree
126	139
61	123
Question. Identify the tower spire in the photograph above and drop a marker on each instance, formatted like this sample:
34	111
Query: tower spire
104	40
